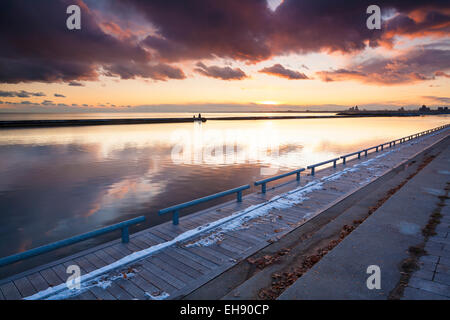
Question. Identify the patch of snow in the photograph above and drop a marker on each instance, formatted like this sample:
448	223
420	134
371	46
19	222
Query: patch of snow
157	295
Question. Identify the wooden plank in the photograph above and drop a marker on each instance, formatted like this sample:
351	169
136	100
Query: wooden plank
170	233
138	243
197	258
38	281
245	237
181	275
140	282
95	260
102	254
206	255
118	292
85	264
161	235
25	287
240	244
228	245
87	295
117	254
10	291
148	242
220	252
186	260
156	281
162	274
60	270
141	244
180	264
154	238
101	294
51	277
134	291
130	246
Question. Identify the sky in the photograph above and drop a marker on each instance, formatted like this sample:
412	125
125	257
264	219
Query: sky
159	55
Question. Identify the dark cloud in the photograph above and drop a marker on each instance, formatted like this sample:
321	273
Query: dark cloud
36	45
224	73
415	65
203	29
47	103
280	71
132	70
76	84
59	95
250	31
21	94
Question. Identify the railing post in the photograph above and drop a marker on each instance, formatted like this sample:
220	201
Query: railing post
125	235
175	217
239	196
343	160
359	155
312	171
382	147
263	188
365	153
298	176
334	164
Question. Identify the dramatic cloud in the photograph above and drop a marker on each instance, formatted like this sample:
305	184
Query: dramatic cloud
280	71
132	70
203	29
224	73
415	65
21	94
138	38
59	95
37	46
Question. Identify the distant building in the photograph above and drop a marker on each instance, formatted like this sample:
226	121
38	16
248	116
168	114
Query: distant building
424	108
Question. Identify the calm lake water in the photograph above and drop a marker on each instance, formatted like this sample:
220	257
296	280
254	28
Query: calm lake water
60	182
140	115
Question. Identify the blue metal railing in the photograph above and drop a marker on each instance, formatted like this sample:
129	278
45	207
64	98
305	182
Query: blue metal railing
265	181
313	166
176	209
66	242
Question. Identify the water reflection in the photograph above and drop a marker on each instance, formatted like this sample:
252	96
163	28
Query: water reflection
60	182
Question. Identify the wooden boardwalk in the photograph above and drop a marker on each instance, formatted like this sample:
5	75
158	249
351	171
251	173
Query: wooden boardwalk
179	268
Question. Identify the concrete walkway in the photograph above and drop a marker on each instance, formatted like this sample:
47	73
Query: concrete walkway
386	239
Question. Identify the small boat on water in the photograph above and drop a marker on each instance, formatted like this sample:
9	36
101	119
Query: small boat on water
199	119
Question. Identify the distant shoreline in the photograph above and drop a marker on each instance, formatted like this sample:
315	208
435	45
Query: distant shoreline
97	122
